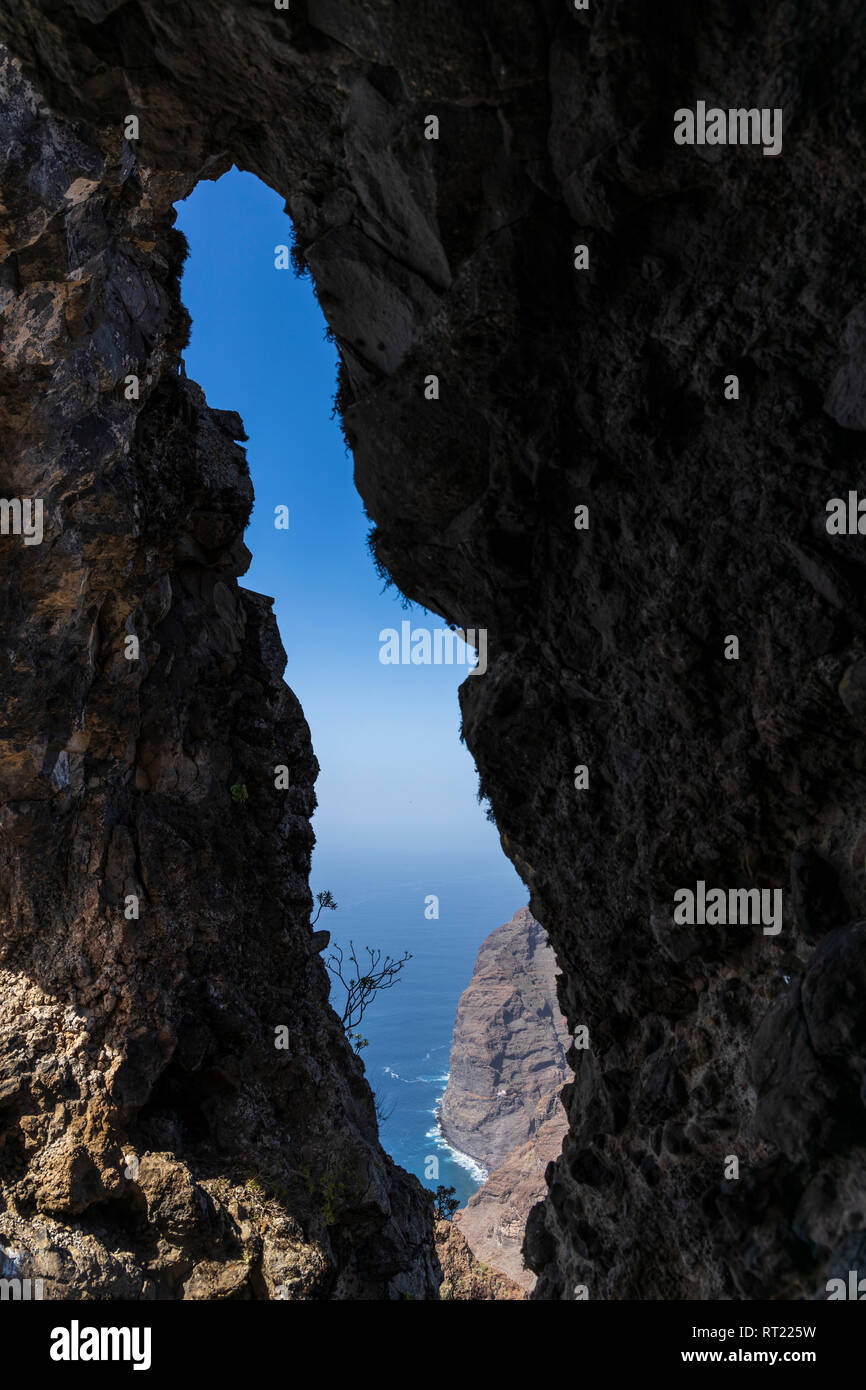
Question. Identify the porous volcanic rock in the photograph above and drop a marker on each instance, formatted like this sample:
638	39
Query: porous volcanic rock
559	387
155	1139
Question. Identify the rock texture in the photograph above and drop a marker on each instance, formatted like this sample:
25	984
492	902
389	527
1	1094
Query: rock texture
464	1278
501	1104
508	1046
494	1219
155	1142
559	387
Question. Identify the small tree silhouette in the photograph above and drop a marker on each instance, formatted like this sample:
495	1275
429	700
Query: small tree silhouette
383	1112
324	899
362	986
444	1202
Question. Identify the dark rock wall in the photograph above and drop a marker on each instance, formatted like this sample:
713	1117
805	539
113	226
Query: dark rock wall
559	387
154	1140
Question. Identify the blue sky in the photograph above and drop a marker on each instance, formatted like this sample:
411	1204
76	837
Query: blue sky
394	773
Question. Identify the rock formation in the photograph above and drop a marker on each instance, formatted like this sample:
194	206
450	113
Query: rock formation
559	387
466	1279
494	1219
508	1046
157	1136
501	1104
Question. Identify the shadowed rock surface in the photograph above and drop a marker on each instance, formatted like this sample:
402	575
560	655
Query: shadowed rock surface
558	388
154	1140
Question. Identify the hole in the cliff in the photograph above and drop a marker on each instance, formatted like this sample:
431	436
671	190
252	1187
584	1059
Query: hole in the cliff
12	1145
402	843
182	1111
125	1214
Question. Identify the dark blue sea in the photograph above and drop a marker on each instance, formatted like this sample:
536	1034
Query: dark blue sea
409	1027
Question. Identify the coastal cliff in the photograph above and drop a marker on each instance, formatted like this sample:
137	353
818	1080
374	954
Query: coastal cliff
501	1105
508	1046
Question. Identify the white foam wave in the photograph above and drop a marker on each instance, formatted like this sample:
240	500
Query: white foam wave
476	1170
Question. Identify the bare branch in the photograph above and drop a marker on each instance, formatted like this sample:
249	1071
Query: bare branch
364	984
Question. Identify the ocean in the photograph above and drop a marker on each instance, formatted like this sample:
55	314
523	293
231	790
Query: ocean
409	1026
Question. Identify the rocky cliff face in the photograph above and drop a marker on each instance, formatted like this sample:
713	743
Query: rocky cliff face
494	1219
501	1104
157	1137
466	1279
559	387
508	1046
